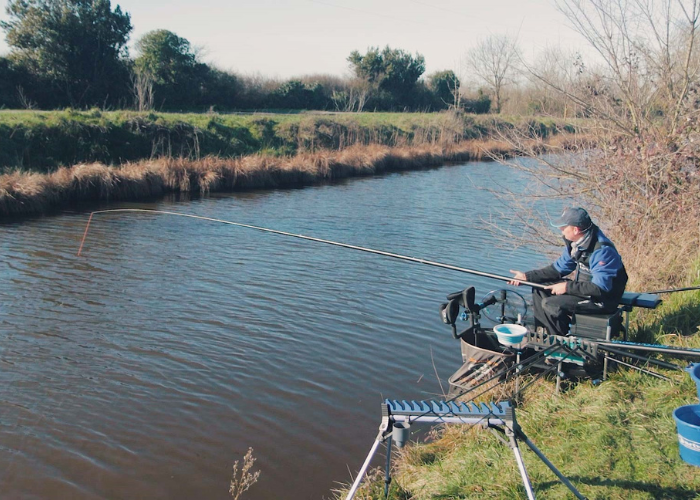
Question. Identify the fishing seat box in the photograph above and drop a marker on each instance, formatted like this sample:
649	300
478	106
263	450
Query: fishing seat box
597	326
609	326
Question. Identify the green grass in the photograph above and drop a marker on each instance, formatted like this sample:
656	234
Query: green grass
615	440
41	141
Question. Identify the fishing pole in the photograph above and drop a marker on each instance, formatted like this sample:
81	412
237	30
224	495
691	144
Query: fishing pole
309	238
672	290
655	348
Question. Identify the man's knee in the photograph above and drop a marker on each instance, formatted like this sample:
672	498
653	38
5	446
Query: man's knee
552	306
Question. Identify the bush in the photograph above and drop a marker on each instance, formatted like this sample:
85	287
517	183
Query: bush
479	106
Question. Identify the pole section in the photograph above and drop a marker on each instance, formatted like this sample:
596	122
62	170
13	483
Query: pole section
319	240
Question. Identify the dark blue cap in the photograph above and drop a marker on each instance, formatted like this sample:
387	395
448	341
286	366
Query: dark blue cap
573	217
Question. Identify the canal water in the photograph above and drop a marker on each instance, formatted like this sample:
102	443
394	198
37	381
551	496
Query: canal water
147	366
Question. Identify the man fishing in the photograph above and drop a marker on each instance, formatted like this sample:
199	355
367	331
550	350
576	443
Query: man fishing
598	277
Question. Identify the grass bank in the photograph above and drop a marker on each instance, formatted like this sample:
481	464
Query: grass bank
43	141
616	440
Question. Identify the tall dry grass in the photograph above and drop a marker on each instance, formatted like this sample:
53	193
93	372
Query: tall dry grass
24	193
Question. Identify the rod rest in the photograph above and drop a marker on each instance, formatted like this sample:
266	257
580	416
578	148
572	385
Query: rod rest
450	408
539	341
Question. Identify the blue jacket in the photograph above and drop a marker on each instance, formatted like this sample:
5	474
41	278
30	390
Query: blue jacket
599	271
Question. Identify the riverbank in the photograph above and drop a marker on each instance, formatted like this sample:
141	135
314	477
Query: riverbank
614	440
43	141
26	193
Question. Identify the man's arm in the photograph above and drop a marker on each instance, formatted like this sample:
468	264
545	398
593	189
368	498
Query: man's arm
543	275
564	265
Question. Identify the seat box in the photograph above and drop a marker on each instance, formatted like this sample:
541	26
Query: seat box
597	326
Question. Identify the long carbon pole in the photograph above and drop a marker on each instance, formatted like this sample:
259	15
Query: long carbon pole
673	290
658	348
638	357
311	238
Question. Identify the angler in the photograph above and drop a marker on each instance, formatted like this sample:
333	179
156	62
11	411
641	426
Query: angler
599	275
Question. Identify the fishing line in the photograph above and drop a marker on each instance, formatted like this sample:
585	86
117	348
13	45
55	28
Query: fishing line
521	365
309	238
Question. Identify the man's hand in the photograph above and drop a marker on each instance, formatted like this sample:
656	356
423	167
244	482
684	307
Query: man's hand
517	278
557	289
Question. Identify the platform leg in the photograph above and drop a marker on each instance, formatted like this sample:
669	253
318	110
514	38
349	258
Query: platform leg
517	379
606	358
560	375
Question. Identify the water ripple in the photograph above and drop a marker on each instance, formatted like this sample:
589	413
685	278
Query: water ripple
146	367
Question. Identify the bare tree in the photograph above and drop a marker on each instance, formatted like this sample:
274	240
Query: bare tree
493	62
353	97
24	99
564	70
456	91
142	86
649	56
640	170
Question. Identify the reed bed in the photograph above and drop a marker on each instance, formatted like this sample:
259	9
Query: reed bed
26	193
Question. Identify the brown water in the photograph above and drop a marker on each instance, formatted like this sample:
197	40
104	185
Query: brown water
145	368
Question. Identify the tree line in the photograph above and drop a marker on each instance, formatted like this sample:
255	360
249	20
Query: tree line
73	53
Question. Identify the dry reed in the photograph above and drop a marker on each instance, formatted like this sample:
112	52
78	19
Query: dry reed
242	480
24	193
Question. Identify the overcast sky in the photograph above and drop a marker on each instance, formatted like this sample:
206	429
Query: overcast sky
301	37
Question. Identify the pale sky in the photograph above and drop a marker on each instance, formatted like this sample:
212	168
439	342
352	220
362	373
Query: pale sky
301	37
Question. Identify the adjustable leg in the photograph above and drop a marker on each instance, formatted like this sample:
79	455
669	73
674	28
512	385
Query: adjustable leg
521	465
549	464
560	375
605	366
363	469
387	472
605	360
517	378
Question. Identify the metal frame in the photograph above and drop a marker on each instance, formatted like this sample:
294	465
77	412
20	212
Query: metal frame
498	417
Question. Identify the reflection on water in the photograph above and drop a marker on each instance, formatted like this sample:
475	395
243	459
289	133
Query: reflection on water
145	368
